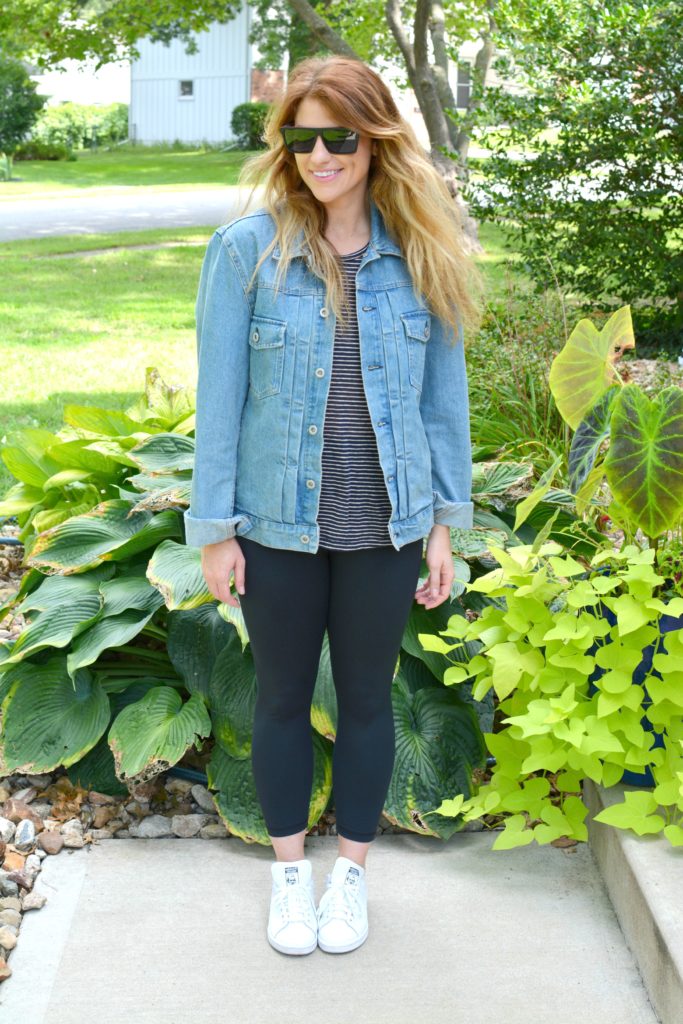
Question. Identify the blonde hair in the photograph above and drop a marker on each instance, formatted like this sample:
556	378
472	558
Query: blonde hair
418	210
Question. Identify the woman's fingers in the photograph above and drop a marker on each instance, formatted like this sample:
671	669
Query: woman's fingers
219	562
220	588
239	575
437	586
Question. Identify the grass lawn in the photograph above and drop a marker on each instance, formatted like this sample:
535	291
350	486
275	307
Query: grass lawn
131	166
82	329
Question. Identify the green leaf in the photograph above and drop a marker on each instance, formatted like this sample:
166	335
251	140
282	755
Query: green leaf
589	436
438	743
515	833
164	453
644	464
149	736
111	422
110	531
176	571
583	370
48	719
26	456
637	812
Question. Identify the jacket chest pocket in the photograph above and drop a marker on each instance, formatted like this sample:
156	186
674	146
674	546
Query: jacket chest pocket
266	356
416	328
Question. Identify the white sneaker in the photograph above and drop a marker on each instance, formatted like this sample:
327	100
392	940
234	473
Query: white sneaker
292	923
342	912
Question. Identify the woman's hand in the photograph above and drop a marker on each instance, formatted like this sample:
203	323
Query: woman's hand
218	562
439	559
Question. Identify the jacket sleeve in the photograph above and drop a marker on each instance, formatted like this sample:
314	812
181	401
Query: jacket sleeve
223	316
444	408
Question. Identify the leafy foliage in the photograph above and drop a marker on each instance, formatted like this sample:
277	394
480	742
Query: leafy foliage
593	198
126	660
542	643
20	104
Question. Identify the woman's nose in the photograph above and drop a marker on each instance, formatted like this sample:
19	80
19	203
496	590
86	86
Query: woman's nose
323	149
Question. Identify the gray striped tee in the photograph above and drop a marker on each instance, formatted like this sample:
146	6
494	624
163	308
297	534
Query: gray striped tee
354	503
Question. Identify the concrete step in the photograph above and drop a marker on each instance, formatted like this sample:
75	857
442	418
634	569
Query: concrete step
643	876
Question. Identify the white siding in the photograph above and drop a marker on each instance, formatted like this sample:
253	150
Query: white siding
220	71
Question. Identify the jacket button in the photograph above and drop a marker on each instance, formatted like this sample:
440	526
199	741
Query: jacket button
255	336
427	331
304	538
310	483
323	311
320	372
312	429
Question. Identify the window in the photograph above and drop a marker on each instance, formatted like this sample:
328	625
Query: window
464	86
186	88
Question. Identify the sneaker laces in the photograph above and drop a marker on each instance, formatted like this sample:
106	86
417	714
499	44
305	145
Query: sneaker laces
294	903
343	901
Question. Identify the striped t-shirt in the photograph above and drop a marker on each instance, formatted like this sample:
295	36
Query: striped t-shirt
354	504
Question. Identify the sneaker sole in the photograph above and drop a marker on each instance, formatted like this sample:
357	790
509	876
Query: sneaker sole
344	949
289	949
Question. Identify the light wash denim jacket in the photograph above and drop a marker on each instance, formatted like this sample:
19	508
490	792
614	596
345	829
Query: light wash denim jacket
262	386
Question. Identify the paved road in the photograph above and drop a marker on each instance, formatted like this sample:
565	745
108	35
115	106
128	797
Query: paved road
124	210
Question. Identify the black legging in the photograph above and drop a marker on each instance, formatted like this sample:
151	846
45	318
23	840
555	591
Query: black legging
363	598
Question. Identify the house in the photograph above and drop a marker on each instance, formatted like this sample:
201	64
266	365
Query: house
191	98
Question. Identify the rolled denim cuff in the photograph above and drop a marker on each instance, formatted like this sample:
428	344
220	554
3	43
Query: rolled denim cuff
453	513
199	532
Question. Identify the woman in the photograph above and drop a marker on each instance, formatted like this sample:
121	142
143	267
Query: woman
357	252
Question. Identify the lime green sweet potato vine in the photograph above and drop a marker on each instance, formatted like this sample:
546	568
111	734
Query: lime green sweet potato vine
540	641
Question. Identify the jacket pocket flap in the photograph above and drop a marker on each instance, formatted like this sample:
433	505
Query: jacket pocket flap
416	324
265	333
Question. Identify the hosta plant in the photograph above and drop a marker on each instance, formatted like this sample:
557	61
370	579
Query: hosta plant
126	661
63	474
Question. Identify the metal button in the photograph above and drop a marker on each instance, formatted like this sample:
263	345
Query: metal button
390	477
320	372
312	429
310	483
323	311
304	538
255	336
427	331
366	309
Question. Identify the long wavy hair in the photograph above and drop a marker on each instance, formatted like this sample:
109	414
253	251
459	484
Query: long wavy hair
418	210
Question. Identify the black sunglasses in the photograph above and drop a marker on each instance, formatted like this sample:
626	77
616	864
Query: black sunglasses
335	140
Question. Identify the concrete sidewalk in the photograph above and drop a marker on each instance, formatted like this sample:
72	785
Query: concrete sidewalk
163	931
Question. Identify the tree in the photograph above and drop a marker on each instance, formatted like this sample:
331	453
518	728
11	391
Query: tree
108	30
599	207
20	105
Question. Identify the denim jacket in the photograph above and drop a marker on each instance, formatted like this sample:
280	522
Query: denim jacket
264	364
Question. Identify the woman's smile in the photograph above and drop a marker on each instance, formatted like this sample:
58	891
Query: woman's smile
326	175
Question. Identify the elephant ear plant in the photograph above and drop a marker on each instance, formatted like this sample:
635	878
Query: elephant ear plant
562	638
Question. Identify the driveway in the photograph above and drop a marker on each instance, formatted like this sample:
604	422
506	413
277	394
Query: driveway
118	209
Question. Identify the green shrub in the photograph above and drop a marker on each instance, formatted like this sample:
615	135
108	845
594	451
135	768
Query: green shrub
82	126
247	124
34	149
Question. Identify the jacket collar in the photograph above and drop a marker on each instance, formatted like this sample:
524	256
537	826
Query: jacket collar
380	242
